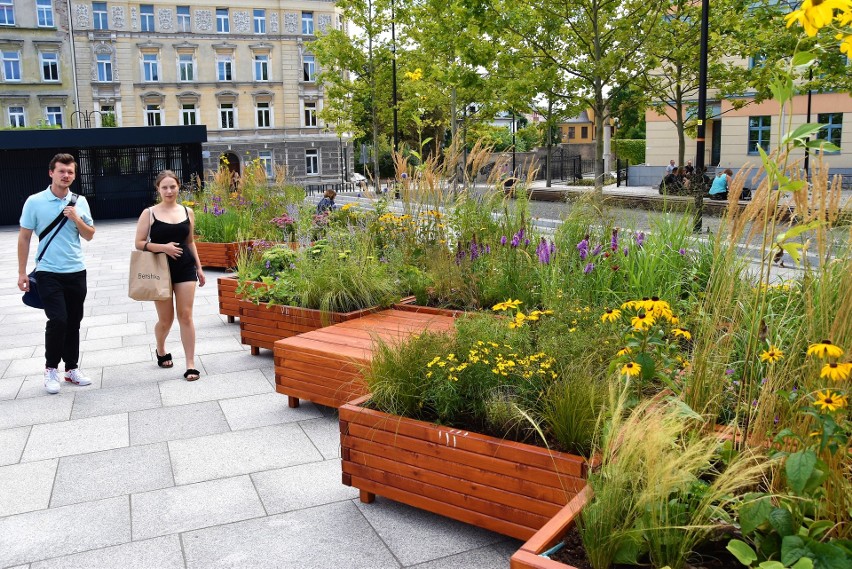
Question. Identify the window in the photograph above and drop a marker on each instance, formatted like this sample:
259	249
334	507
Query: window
16	117
307	23
188	114
107	115
312	162
150	67
265	158
186	67
50	66
310	114
226	115
223	68
264	115
584	132
7	13
309	68
11	66
756	60
53	116
99	15
758	133
146	17
572	132
260	21
261	68
104	67
44	13
184	20
833	128
153	115
223	24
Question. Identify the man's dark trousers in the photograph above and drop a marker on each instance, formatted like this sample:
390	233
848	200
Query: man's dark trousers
63	295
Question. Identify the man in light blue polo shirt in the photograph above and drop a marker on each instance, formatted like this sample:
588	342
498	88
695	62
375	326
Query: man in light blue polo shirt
61	273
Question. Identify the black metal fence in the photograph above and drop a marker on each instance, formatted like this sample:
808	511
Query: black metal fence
564	167
621	171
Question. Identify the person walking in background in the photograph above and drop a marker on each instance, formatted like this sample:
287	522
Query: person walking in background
327	202
721	184
61	272
171	227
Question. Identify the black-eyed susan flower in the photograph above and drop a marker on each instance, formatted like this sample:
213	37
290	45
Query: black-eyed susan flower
642	321
623	351
631	369
520	317
771	355
681	333
835	371
829	401
814	15
825	349
507	305
611	315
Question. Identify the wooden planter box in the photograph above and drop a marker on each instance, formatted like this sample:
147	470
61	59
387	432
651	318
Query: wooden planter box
220	255
229	302
502	486
261	325
325	366
408	305
529	555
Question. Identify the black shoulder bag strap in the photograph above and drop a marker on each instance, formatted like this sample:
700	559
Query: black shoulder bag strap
60	220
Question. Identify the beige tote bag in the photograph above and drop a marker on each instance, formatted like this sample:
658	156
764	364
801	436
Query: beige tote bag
150	278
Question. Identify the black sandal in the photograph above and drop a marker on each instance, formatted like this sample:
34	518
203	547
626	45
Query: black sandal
191	374
161	360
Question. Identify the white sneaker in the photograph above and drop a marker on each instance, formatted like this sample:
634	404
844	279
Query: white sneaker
77	377
51	380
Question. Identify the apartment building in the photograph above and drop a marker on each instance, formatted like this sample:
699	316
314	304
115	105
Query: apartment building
36	76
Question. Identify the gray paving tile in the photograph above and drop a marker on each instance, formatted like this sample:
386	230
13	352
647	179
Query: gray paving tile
158	553
124	356
19	412
173	423
31	336
264	409
115	309
26	317
324	433
241	452
482	557
101	344
218	345
26	487
21	352
94	476
194	506
104	320
213	387
302	486
291	540
116	400
144	372
237	361
33	385
112	330
415	536
77	437
45	533
26	366
12	442
9	387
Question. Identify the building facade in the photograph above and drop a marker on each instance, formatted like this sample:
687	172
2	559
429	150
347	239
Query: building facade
36	77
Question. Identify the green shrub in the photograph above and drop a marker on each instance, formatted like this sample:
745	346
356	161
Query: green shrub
632	150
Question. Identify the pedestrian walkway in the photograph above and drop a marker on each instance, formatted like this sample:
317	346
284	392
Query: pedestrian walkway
145	470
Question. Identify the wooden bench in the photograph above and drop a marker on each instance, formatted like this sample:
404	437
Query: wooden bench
324	366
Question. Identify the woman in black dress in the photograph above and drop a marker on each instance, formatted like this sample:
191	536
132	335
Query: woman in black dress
172	226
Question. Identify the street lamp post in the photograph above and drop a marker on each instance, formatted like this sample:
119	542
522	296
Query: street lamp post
699	188
513	143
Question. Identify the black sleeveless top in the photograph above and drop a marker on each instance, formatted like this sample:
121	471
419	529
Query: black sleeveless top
182	269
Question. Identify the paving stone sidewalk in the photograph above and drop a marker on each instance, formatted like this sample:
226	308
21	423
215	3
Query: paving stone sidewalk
145	470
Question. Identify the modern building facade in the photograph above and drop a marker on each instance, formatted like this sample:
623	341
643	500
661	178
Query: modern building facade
36	76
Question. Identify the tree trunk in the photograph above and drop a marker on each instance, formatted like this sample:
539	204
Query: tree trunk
549	126
600	110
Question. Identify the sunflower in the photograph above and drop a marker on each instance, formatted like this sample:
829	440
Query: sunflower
611	315
814	14
828	401
825	349
642	321
835	371
631	369
680	332
623	351
507	305
771	355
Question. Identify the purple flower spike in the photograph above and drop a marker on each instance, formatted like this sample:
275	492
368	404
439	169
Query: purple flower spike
613	243
403	175
640	239
589	268
487	249
583	248
682	251
729	371
597	250
552	247
543	252
626	251
526	241
503	240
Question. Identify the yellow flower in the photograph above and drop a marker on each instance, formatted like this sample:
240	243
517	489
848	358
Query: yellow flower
631	369
682	333
518	321
611	315
846	44
507	305
642	321
623	351
814	15
828	401
837	372
771	355
825	349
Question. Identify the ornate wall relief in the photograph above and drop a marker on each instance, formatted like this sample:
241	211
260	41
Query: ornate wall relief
290	20
242	22
203	20
323	22
273	22
118	20
81	16
134	19
165	16
101	48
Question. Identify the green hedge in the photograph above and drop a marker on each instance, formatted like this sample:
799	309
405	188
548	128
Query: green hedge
630	149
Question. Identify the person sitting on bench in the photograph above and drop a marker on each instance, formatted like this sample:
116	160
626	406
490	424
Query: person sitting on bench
719	188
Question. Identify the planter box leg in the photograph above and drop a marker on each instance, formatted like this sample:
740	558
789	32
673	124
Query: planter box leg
255	351
292	402
230	319
367	497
